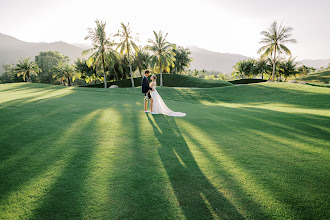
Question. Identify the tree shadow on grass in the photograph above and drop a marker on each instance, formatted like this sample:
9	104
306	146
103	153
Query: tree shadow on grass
284	153
66	198
32	143
197	197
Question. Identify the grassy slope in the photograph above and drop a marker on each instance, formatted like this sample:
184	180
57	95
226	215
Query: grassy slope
252	151
318	77
171	80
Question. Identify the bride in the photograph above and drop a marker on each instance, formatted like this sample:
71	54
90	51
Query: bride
158	105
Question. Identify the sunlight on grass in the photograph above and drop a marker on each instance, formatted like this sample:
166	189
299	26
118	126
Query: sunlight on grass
100	165
22	202
292	142
279	107
32	95
204	148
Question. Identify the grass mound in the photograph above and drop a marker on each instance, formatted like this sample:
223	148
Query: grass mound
257	151
170	80
318	77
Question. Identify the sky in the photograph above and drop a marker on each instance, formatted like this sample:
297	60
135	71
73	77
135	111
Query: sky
226	26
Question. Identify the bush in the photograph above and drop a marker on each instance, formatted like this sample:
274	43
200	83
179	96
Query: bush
247	81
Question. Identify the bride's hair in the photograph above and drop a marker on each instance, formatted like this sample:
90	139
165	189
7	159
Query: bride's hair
154	76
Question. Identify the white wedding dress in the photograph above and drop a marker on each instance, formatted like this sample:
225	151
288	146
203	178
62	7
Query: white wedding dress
159	106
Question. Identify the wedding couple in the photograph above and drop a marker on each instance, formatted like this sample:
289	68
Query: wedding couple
157	105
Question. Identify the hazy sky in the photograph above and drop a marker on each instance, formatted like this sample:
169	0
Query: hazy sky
227	26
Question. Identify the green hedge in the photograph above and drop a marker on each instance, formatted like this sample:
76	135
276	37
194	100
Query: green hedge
169	80
247	81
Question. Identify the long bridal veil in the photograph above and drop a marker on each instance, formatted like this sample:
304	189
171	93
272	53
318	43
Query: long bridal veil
160	107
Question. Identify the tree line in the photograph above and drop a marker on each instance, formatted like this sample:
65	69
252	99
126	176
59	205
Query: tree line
273	61
284	68
112	57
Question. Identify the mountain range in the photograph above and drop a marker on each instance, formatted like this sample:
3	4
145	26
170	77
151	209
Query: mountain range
12	49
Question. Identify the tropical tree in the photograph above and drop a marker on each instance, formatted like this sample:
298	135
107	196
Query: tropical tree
288	68
64	71
115	65
142	59
163	54
26	68
9	75
303	69
126	45
275	38
244	68
102	46
85	72
182	59
46	61
261	66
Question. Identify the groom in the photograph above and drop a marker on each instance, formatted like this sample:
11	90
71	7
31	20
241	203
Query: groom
146	90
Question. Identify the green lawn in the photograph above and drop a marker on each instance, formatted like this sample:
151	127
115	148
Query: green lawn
256	151
318	77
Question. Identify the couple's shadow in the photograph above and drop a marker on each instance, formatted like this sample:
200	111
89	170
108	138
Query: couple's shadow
197	197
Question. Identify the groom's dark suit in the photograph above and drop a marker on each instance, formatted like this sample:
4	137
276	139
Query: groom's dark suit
145	86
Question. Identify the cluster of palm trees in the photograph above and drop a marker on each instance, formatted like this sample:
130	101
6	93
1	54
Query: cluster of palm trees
272	60
160	55
275	39
252	67
114	60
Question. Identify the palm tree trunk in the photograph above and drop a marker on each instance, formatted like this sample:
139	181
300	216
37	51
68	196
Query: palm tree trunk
274	62
105	77
69	84
160	71
115	73
28	77
130	69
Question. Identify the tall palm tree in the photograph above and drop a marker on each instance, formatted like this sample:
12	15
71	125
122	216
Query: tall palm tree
26	68
102	45
163	54
275	38
126	45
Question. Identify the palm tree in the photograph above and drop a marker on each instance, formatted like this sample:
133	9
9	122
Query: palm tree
275	38
243	68
288	68
26	68
142	59
182	59
102	45
126	45
64	71
261	66
163	54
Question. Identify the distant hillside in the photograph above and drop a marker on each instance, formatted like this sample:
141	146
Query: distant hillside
315	63
209	60
12	49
